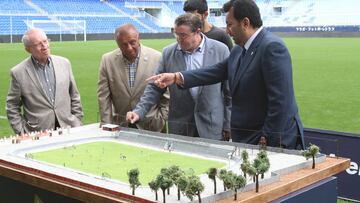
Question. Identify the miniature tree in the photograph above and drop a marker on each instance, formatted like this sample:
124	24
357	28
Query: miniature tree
133	175
234	182
194	188
212	173
245	165
222	175
167	173
154	186
263	155
260	165
164	184
311	151
182	183
175	173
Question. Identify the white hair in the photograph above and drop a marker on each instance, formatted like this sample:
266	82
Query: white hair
26	39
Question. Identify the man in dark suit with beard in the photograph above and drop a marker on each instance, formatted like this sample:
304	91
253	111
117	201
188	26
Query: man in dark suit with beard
259	72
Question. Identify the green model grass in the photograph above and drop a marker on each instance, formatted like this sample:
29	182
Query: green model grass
113	160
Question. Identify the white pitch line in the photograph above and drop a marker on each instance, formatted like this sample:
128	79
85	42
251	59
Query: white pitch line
3	117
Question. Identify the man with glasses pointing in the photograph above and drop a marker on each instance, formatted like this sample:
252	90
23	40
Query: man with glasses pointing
199	112
43	93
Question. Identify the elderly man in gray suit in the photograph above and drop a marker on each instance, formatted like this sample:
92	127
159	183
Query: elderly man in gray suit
198	112
43	93
122	76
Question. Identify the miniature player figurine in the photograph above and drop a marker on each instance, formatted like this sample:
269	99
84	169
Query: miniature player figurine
262	143
60	131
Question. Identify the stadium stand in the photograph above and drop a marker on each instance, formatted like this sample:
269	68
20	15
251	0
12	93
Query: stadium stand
157	16
15	7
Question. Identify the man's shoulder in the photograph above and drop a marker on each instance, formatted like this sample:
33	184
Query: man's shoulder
217	30
270	39
22	65
169	49
150	54
56	57
60	60
220	35
217	34
269	36
150	50
112	53
219	46
171	46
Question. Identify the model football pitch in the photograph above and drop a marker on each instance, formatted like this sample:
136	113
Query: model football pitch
113	160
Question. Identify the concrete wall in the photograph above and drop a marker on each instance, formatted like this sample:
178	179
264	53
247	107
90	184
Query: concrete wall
68	37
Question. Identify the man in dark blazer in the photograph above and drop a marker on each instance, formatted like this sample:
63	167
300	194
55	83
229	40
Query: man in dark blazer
259	72
43	94
201	112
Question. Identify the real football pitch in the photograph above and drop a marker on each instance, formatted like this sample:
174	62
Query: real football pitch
113	160
325	70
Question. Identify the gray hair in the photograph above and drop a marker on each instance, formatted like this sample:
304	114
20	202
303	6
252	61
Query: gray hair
26	39
188	19
125	29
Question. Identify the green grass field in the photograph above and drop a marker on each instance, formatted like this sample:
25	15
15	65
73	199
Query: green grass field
109	157
326	77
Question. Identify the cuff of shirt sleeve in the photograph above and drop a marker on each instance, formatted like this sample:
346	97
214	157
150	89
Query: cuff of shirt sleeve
179	79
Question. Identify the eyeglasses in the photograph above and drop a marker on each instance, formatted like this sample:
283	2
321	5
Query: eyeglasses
41	44
182	35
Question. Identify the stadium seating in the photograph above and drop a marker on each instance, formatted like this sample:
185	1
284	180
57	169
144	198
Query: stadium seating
73	7
15	7
149	15
309	12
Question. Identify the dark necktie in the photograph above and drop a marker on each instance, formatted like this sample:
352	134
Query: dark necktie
243	53
242	57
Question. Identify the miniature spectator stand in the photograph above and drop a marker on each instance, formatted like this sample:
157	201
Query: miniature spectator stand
36	135
110	127
15	140
24	137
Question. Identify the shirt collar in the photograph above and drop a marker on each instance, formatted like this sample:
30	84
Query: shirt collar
199	49
38	64
136	59
251	39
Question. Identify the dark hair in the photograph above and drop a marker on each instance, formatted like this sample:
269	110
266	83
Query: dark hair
190	20
245	8
199	6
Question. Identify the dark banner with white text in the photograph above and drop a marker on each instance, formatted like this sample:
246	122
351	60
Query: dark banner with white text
342	145
323	28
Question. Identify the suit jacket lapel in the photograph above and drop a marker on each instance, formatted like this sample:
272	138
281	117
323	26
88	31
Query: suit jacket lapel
246	63
58	77
121	71
30	69
179	59
235	69
208	54
140	77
